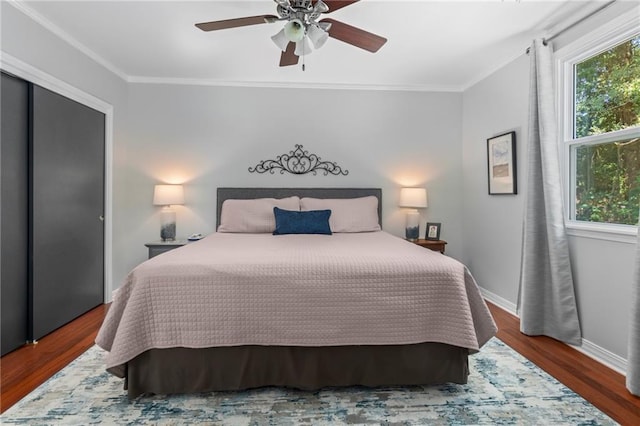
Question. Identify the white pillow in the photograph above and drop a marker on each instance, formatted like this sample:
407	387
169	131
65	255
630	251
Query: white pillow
253	216
347	214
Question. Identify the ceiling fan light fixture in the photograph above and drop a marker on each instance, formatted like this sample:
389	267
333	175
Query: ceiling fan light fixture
320	7
294	30
280	40
317	35
326	26
303	47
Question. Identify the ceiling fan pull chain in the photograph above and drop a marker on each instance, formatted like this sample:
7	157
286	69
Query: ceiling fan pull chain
303	55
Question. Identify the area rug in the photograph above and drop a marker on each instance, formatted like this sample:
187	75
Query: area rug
504	388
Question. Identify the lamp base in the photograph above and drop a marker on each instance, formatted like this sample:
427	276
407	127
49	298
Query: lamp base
168	224
412	227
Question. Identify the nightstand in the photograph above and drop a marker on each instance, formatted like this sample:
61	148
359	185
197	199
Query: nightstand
159	247
435	245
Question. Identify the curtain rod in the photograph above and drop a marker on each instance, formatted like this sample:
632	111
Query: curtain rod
579	21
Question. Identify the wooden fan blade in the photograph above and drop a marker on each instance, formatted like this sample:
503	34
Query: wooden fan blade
233	23
288	57
337	4
355	36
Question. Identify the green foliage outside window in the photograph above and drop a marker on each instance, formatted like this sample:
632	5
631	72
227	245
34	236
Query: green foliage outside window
607	98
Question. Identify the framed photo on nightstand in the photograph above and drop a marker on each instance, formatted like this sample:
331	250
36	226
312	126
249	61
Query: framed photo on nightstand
433	231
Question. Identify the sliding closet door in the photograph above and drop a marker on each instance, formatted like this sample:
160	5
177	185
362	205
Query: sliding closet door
68	206
14	225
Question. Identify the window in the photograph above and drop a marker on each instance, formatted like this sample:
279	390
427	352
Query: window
601	129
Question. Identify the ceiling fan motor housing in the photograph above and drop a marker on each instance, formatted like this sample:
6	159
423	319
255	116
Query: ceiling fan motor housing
304	10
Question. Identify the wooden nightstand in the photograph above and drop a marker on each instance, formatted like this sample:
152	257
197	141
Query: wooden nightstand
159	247
435	245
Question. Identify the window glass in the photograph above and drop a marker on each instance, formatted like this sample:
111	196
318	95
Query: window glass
607	90
607	182
606	179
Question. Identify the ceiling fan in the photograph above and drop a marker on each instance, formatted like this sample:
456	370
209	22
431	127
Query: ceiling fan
302	26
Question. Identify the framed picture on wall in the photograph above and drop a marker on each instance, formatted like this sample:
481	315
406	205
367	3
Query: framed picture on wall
501	159
433	231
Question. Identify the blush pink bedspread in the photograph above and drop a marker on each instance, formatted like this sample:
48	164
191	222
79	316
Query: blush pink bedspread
295	290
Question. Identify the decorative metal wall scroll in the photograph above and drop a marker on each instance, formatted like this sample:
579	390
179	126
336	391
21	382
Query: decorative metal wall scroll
298	162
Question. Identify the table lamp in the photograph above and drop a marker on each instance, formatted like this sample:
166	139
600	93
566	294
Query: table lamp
414	199
168	195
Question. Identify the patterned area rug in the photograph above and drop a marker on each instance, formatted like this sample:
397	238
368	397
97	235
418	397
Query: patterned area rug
504	388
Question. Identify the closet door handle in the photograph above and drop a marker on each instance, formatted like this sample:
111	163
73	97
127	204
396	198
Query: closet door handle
101	217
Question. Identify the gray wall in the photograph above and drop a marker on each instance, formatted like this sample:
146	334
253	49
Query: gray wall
207	137
493	224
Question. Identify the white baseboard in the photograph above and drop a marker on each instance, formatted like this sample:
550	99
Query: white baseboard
590	349
603	356
499	301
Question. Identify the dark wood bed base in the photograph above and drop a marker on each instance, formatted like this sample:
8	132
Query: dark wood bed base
183	370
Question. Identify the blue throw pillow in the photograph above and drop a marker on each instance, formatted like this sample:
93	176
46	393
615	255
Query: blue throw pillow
309	222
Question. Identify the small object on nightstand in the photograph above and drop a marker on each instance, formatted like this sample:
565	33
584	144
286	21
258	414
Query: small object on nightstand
159	247
435	245
433	231
195	237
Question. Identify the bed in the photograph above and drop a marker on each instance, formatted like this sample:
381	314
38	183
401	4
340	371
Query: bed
242	309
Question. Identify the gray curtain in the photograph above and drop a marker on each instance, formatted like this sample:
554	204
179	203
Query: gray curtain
633	361
546	298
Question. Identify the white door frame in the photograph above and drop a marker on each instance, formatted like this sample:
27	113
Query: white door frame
28	72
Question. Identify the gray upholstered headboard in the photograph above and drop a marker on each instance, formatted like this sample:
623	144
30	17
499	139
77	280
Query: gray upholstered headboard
250	193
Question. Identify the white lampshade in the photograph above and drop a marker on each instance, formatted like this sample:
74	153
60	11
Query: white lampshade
413	197
317	35
294	30
166	195
281	40
303	47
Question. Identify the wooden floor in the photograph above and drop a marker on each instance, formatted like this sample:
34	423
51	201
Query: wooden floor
596	383
26	368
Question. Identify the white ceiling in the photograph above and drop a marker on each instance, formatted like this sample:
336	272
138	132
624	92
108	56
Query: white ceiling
433	45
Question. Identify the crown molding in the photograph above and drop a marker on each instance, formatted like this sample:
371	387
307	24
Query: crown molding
63	35
291	85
